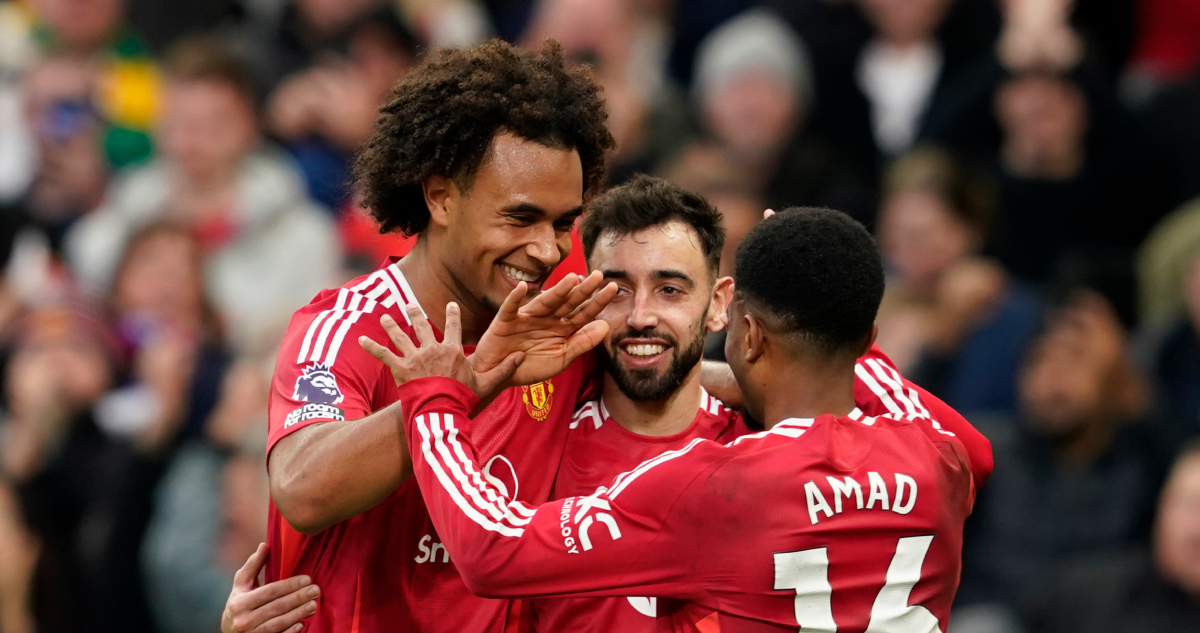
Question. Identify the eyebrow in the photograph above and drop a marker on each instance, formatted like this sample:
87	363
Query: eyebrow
533	209
658	274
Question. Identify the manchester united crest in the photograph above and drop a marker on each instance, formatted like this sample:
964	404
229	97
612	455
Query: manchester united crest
538	399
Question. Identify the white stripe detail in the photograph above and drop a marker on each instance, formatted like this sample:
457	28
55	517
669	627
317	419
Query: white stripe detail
864	375
439	425
625	479
898	381
453	490
343	294
498	499
341	334
409	295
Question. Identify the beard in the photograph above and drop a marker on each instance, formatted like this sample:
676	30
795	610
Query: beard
643	385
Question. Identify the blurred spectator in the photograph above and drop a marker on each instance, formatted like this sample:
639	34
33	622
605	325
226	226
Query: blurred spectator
956	323
1140	591
322	113
127	91
305	30
1074	199
753	88
267	248
84	495
1077	473
707	170
900	69
172	338
1172	348
625	44
70	173
210	509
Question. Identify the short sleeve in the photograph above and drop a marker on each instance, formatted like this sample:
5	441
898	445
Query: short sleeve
322	374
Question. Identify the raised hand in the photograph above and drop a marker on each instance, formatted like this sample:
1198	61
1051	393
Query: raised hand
434	358
552	330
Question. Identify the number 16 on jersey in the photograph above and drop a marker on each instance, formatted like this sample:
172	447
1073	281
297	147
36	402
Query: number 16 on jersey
807	573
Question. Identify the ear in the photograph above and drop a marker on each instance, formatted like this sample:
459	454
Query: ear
870	340
755	339
440	198
718	304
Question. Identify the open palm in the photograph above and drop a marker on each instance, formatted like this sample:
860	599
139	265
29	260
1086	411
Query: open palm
552	330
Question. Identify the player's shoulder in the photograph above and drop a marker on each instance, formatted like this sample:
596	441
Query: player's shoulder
318	332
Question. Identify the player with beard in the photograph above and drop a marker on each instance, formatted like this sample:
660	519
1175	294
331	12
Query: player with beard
829	519
662	246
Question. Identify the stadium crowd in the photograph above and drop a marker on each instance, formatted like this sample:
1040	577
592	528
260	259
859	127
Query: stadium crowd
175	180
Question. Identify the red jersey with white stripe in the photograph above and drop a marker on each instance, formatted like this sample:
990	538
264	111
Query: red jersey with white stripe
387	569
880	390
598	448
827	524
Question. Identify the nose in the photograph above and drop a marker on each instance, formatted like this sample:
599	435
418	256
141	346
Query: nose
543	246
642	315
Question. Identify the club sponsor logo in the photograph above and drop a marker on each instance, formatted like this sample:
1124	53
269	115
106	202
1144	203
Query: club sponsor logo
314	411
317	384
538	399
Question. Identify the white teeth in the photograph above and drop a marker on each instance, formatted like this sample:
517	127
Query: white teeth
644	350
519	275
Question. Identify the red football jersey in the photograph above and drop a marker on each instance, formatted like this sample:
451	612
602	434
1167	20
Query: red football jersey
828	524
880	390
598	448
387	569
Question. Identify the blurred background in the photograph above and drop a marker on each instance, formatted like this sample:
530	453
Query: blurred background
174	183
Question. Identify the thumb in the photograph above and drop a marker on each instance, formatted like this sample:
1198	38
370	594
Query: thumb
502	372
583	340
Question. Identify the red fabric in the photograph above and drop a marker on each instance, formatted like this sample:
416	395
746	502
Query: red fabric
214	232
573	263
361	237
1168	37
598	449
387	565
722	526
881	390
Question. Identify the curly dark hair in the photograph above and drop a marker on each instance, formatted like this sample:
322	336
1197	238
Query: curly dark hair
816	272
441	119
645	202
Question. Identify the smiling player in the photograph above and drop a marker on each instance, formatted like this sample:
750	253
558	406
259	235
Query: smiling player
487	155
830	519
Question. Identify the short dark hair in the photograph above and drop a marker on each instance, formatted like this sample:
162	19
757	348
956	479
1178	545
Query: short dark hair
645	202
205	58
816	272
442	117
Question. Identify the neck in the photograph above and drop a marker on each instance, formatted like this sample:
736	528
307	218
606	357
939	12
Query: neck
805	390
435	287
655	418
1085	445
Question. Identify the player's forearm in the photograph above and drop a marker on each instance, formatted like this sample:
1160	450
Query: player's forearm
717	378
327	473
502	547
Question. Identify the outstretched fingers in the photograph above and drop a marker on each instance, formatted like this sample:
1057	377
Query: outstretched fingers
401	340
512	303
590	309
581	293
583	340
548	302
453	333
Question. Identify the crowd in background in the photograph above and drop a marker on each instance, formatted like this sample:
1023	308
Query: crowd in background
175	180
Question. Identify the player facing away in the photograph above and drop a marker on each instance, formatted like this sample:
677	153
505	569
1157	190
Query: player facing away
487	155
827	521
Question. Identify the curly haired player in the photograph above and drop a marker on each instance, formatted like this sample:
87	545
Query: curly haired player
487	154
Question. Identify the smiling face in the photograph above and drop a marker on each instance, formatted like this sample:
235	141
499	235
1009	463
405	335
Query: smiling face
666	303
513	223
